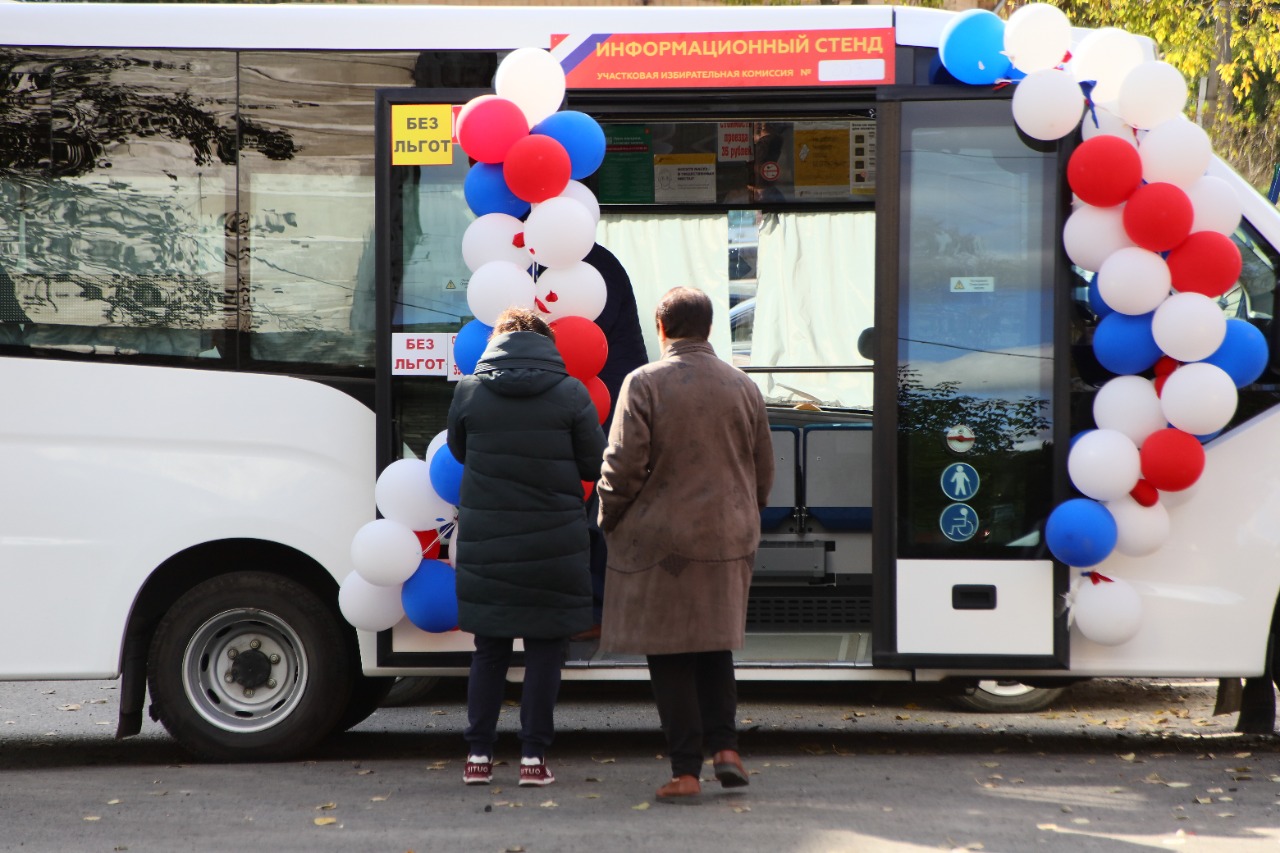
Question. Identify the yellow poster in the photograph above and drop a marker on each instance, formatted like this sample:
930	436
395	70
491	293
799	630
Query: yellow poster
821	159
421	134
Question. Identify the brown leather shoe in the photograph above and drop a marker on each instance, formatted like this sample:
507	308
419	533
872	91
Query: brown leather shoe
681	789
729	769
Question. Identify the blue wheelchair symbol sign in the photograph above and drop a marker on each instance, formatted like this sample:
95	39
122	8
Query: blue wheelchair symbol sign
960	481
958	522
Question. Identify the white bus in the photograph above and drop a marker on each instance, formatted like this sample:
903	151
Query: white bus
204	251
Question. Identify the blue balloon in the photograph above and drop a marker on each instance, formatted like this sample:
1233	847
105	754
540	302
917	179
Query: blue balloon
1124	344
1081	532
430	598
581	136
446	475
486	191
971	48
1243	354
1097	304
469	345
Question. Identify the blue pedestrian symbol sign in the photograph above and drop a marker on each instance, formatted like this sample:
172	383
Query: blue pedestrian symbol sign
958	522
960	481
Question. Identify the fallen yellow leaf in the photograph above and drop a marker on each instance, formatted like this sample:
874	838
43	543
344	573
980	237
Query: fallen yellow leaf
642	807
549	804
324	807
92	817
325	821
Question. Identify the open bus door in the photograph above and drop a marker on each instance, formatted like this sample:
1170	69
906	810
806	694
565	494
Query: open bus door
924	554
971	387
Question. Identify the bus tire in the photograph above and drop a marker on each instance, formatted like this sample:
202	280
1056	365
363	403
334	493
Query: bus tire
368	695
1007	697
410	690
250	666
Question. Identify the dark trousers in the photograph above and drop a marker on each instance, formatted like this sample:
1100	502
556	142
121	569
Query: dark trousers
697	699
599	557
485	688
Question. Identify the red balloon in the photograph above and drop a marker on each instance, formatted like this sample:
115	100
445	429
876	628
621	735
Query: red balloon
600	396
1145	494
430	542
1166	365
1104	171
1172	460
588	486
491	127
1158	216
1206	262
582	345
536	168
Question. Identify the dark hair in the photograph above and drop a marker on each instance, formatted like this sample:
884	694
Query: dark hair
685	313
522	320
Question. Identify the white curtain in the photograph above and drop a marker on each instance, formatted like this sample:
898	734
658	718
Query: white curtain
815	296
665	250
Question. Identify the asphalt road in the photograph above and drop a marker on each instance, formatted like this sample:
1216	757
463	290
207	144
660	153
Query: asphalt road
1117	766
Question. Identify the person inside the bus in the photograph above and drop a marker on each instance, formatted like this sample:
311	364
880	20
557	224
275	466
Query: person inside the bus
620	322
688	466
528	435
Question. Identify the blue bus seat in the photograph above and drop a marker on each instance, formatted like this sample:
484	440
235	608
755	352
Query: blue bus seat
837	475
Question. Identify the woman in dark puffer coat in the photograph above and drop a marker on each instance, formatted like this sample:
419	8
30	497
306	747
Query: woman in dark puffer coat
527	434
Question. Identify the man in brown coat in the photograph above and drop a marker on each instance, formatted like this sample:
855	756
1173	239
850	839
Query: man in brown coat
688	466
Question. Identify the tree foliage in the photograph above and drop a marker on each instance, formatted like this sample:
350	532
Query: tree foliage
1232	45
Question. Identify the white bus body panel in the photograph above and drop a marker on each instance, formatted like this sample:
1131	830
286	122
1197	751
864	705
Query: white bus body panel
192	456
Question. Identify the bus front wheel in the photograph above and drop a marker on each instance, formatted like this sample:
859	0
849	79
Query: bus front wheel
249	666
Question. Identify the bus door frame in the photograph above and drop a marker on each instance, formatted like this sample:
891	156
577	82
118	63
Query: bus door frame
885	423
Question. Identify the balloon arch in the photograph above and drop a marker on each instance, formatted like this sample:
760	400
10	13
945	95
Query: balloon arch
1156	230
1146	219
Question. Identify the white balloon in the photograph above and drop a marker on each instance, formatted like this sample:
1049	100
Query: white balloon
451	546
367	606
497	286
385	552
578	291
1104	464
578	191
1108	613
1134	280
1216	206
437	441
1189	326
1130	405
493	237
532	79
1047	104
1106	56
1152	93
404	494
1175	152
1037	36
560	232
1102	122
1092	234
1199	398
1140	530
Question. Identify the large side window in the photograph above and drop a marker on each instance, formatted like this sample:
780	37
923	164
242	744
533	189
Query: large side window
116	183
306	264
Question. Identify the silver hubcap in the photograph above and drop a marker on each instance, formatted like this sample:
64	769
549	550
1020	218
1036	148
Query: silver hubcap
1004	688
244	670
